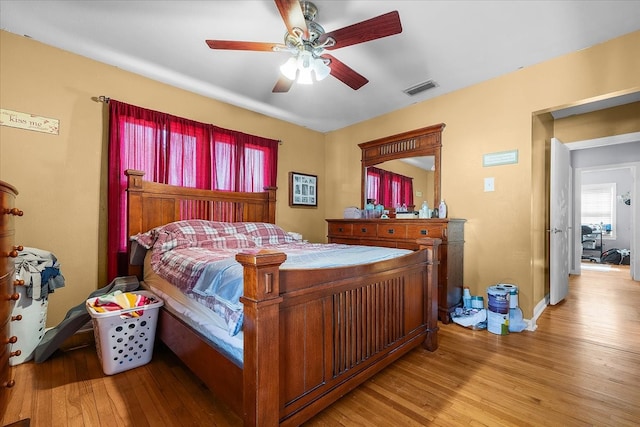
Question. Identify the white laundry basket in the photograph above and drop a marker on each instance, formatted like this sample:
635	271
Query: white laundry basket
125	342
30	328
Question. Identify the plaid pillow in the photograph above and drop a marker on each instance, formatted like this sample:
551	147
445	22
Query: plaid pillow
264	233
212	234
178	234
232	241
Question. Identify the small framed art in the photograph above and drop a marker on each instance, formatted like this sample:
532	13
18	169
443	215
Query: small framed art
303	190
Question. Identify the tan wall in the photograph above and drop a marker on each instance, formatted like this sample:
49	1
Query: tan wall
504	234
62	178
598	124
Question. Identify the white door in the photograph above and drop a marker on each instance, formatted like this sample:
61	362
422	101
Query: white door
559	222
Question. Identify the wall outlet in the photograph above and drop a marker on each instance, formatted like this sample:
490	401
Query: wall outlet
489	184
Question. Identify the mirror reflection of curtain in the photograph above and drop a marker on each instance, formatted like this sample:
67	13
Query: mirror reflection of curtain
388	188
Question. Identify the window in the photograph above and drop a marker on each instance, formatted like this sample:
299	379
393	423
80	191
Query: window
598	207
178	151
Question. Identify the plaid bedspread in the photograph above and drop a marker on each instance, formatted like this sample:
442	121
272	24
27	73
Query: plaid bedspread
184	250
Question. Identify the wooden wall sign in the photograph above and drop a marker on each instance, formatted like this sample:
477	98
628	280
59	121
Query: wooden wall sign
28	121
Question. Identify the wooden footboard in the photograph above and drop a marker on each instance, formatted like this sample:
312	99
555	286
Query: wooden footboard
311	336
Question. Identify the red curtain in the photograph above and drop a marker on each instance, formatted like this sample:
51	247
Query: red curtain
388	188
177	151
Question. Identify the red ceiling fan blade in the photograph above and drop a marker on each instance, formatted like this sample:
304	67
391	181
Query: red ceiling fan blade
346	74
371	29
282	85
292	16
238	45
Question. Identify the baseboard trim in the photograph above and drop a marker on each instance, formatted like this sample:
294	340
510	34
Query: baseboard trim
537	311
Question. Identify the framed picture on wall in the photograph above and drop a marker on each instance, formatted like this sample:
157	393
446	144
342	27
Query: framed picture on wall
303	189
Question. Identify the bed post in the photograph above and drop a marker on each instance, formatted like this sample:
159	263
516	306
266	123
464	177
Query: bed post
271	204
431	245
261	371
134	214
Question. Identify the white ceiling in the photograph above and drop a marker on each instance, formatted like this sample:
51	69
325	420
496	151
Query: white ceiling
454	43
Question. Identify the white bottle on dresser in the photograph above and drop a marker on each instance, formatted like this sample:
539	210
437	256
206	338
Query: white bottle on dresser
442	209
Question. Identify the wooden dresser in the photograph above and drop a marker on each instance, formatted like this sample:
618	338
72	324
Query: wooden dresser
402	233
8	296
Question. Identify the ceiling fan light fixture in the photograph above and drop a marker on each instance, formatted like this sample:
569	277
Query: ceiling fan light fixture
290	68
321	69
305	62
304	78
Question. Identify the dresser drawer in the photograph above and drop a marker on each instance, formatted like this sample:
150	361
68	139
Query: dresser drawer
365	229
392	231
435	231
7	201
6	292
5	370
7	262
340	229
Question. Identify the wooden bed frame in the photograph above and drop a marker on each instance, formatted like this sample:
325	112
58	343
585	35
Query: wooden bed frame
310	336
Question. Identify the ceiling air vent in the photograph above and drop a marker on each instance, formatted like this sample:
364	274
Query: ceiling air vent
420	87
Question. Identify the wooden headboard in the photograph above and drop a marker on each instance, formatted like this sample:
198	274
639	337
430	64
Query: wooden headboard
151	204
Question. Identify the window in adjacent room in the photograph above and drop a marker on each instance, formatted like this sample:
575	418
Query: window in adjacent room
598	208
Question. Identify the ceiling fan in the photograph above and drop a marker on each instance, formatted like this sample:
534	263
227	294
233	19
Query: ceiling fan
307	42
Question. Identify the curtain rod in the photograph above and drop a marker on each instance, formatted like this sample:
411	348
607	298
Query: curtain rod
106	100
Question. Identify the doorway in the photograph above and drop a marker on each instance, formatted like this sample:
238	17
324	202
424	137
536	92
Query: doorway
612	156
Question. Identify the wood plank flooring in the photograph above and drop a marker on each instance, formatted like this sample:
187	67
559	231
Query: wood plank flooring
581	367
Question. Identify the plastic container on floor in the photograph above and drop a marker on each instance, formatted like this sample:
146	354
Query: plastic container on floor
125	342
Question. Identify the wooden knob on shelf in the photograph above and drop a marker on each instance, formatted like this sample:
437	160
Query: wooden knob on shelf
15	353
16	318
18	282
9	384
12	340
16	212
14	297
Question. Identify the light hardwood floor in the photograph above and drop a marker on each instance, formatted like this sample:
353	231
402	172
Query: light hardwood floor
581	367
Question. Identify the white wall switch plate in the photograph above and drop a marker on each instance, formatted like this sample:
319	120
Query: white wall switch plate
489	184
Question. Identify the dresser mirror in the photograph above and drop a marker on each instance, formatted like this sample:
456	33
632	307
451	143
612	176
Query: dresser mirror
414	154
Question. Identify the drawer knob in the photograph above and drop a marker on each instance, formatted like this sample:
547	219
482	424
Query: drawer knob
9	384
15	211
14	297
390	231
12	340
341	229
14	252
18	282
364	230
424	232
15	353
16	318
